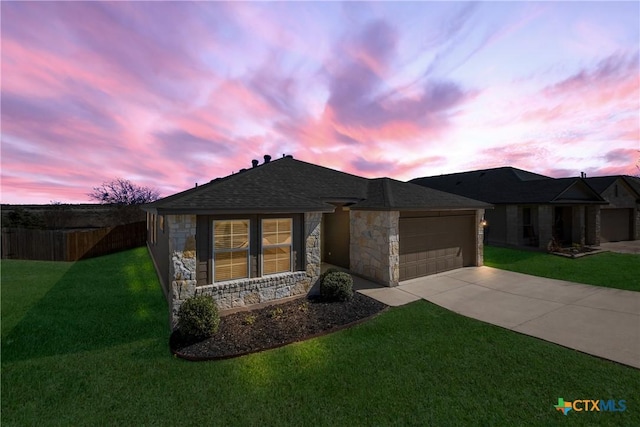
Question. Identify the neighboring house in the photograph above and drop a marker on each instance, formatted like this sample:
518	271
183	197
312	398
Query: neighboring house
262	233
620	219
529	209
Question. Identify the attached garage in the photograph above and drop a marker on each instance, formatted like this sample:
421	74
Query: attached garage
435	242
615	225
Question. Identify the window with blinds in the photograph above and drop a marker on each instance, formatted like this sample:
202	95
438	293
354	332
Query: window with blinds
230	250
276	245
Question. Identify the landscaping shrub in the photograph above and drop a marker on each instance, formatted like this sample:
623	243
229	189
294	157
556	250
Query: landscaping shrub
329	271
199	317
336	286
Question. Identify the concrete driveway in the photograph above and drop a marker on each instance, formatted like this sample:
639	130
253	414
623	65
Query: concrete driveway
624	247
600	321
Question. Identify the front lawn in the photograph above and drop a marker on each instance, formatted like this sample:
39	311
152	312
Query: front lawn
612	270
87	344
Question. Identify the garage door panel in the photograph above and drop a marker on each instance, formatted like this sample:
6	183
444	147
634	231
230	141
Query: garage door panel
615	224
434	244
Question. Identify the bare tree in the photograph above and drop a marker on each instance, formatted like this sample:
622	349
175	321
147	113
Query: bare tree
123	192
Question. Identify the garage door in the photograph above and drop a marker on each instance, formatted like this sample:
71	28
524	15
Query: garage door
431	245
615	225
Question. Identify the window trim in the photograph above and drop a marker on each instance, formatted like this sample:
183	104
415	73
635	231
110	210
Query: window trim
287	245
247	250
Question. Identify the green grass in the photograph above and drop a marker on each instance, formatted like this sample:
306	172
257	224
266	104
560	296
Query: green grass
612	270
86	344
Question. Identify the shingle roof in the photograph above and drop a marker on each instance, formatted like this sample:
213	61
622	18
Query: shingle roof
601	183
509	185
634	182
289	185
387	193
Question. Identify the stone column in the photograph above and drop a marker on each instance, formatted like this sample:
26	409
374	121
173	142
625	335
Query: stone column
182	269
393	227
577	226
312	234
592	229
374	249
636	229
545	225
512	225
479	238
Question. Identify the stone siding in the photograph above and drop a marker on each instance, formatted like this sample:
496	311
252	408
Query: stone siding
479	238
592	227
545	224
240	292
374	246
246	292
312	234
578	229
182	268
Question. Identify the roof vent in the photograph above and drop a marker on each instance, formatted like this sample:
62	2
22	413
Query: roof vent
289	156
267	158
254	162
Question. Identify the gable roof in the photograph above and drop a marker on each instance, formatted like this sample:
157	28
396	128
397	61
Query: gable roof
601	183
634	182
390	194
287	185
507	185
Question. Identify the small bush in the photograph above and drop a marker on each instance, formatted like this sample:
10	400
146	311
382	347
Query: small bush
326	273
336	286
199	317
276	313
249	319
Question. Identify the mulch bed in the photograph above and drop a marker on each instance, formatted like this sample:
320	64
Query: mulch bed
276	325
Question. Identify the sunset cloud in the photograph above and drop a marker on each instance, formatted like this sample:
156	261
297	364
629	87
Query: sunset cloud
173	93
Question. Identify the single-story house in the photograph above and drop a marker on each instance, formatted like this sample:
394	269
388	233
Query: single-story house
261	234
620	219
529	209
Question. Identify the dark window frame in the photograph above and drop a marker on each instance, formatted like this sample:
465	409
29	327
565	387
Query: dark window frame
204	244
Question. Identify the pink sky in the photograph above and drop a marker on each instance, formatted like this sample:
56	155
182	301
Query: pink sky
170	94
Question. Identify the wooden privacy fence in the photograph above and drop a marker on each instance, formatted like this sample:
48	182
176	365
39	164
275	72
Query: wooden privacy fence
62	245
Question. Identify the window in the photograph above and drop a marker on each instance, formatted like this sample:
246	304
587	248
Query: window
231	249
276	245
161	220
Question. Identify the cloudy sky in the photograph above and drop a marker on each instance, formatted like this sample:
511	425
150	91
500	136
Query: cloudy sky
170	94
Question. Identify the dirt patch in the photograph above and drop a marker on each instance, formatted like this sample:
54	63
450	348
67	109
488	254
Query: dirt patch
276	325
